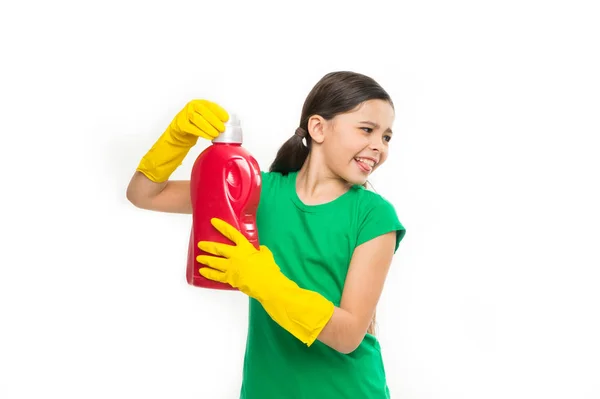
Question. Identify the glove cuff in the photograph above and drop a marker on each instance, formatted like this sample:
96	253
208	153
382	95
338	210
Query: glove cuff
303	313
165	156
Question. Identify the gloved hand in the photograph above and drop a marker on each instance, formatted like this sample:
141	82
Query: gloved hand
254	272
199	118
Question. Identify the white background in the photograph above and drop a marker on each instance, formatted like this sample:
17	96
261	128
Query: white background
493	170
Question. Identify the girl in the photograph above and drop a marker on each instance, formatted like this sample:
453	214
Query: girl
327	242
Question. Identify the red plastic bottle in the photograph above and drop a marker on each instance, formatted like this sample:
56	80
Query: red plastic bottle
225	184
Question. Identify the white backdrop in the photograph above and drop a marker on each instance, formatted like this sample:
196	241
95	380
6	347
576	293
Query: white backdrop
493	170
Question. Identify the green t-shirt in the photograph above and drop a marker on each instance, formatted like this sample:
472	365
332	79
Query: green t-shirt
313	246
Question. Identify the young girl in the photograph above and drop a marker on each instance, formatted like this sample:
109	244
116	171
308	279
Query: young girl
327	243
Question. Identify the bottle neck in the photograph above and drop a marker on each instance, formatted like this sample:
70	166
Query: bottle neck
230	144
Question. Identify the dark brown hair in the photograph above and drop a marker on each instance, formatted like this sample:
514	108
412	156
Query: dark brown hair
336	93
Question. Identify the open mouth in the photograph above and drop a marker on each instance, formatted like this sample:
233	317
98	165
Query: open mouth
365	164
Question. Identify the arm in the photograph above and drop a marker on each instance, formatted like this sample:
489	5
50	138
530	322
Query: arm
366	276
305	314
149	187
170	196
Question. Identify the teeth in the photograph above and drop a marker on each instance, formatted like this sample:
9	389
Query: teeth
366	161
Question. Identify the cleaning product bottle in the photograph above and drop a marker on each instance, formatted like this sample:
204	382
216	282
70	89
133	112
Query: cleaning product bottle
225	183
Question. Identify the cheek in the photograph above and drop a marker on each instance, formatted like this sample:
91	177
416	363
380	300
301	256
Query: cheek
342	149
384	155
344	146
336	154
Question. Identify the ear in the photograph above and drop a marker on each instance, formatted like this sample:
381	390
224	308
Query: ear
316	128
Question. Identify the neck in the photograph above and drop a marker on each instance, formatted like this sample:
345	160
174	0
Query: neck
316	184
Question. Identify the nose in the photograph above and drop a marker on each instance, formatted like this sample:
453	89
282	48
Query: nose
376	143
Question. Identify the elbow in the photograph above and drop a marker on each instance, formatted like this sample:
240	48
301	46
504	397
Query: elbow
130	195
134	191
134	197
348	344
350	347
343	333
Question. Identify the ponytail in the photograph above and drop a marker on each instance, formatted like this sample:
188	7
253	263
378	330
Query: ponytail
292	153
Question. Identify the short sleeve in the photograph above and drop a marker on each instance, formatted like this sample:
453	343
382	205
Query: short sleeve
379	218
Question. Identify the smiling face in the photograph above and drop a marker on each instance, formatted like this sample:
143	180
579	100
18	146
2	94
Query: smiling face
355	143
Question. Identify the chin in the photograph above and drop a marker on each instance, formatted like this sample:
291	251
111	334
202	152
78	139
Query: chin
356	180
353	176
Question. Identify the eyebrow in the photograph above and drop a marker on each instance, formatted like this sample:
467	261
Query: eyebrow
376	126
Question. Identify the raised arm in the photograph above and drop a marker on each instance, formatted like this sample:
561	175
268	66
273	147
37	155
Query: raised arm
150	187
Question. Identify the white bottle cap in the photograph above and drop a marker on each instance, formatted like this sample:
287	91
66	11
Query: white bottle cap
232	133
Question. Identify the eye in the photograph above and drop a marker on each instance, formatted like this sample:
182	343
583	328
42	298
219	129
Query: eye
367	129
387	138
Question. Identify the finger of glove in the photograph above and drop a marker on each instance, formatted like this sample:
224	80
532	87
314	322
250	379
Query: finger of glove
207	130
229	231
203	110
217	110
216	248
217	263
214	275
183	125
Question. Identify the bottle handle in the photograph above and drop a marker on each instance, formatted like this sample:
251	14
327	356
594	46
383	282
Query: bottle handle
238	171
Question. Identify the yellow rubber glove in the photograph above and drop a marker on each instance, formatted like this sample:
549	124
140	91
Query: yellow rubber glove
254	272
199	118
